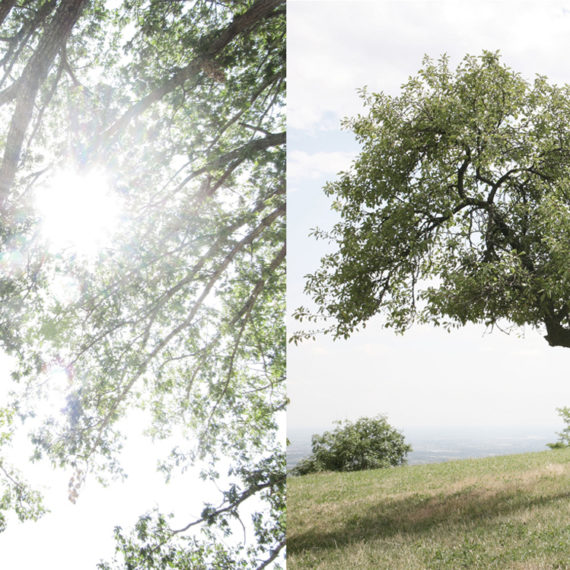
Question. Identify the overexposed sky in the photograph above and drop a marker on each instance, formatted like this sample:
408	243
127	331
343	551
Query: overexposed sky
427	377
76	536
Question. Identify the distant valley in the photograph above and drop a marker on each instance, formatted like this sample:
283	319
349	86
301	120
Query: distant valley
438	444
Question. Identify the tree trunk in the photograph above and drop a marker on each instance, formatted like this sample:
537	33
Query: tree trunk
556	335
34	74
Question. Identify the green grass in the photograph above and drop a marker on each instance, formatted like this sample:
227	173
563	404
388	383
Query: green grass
508	512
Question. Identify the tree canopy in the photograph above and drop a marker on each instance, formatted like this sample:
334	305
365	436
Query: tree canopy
457	208
178	107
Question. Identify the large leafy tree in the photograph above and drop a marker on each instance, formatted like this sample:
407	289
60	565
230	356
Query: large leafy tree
457	208
180	105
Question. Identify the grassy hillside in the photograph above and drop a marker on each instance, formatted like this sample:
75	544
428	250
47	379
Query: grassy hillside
508	512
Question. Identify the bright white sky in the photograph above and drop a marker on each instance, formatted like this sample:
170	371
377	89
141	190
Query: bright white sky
426	377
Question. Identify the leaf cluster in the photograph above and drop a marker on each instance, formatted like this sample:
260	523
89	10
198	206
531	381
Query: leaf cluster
367	443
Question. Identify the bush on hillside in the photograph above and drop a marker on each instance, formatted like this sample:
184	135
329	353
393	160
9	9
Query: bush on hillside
368	443
564	435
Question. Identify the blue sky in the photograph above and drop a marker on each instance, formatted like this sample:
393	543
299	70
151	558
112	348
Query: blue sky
469	377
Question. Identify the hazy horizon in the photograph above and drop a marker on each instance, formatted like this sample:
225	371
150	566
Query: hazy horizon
431	444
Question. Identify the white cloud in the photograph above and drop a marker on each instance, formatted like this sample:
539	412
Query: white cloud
336	47
301	164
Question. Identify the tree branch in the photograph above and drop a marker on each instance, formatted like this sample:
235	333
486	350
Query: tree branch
31	80
267	221
260	10
274	554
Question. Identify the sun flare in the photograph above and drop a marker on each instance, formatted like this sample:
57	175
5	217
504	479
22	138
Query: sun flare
78	212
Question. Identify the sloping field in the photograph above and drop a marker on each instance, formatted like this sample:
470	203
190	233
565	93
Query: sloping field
508	512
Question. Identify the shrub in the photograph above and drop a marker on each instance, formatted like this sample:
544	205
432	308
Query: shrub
564	435
368	443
